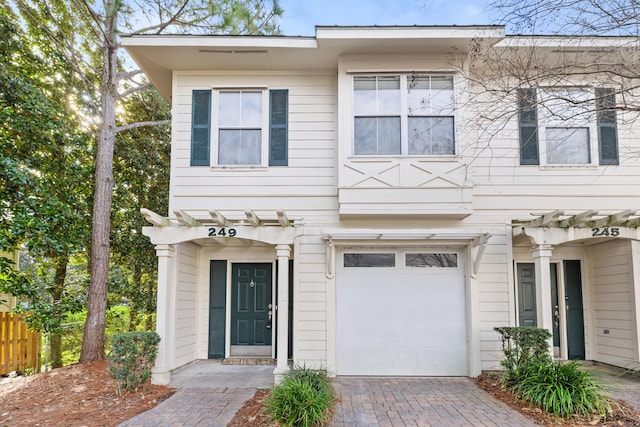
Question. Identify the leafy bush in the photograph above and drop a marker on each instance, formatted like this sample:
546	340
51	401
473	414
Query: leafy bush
132	356
521	346
561	388
304	398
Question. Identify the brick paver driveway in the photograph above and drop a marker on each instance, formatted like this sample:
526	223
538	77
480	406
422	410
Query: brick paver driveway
401	402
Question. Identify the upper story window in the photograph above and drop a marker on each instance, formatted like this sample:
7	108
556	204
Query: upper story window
240	127
240	123
408	114
559	126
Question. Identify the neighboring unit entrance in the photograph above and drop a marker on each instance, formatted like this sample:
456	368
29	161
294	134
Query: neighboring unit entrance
251	309
572	303
401	313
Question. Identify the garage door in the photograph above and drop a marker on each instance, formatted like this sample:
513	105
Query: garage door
401	313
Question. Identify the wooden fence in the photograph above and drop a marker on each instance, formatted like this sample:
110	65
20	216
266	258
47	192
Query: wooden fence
19	347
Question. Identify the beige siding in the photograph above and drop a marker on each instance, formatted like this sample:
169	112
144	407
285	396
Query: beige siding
497	190
310	303
311	170
186	303
613	298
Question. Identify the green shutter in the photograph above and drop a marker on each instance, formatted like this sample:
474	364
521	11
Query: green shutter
217	308
607	127
278	127
200	127
528	120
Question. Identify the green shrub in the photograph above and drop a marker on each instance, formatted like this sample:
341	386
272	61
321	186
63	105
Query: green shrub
521	346
561	388
131	359
303	399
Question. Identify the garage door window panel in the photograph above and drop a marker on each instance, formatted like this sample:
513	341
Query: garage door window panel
353	260
431	260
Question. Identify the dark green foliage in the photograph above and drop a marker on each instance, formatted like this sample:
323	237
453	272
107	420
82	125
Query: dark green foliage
303	398
522	346
559	388
562	389
131	359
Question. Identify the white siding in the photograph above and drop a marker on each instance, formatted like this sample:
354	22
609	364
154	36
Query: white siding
310	175
186	303
486	181
613	298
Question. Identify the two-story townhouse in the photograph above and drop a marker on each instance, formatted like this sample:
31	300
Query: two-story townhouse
363	201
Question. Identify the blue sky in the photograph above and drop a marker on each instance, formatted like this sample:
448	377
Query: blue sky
301	16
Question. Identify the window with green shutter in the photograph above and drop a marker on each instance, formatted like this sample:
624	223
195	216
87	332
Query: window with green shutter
278	127
528	121
607	127
200	127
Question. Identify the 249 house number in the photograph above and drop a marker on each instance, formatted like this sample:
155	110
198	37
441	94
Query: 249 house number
222	232
605	231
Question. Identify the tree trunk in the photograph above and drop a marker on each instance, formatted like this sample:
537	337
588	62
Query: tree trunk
93	338
55	344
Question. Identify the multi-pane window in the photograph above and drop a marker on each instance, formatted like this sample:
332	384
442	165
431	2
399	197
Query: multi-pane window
403	115
239	127
567	114
570	120
243	128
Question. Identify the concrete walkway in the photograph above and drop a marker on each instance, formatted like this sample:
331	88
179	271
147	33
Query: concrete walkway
209	394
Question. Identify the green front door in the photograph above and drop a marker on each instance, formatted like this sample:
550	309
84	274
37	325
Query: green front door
251	304
573	305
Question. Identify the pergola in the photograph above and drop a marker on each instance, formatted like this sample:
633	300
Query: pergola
554	228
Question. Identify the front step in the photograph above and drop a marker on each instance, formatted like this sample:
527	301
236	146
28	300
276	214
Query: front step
248	361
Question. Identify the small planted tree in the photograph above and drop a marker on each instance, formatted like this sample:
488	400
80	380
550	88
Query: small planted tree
132	357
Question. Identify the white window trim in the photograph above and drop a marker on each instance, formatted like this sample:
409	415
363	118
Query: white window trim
542	132
215	128
404	116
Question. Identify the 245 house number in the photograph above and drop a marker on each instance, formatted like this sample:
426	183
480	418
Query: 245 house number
222	232
605	231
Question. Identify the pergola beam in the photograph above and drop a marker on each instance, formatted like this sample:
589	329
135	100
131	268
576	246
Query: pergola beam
186	219
155	218
219	218
613	220
578	220
282	218
545	220
252	218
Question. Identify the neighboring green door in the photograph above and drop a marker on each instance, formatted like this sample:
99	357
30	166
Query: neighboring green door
527	294
555	306
250	304
573	305
527	297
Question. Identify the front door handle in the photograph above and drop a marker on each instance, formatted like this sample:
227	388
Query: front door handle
268	326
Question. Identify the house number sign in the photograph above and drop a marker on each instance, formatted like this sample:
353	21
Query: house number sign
605	231
222	232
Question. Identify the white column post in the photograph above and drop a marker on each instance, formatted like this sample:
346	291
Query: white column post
165	314
283	252
544	309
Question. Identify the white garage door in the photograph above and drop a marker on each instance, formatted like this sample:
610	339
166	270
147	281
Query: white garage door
401	313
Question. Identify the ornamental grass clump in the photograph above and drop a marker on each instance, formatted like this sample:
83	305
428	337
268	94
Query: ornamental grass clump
556	387
562	389
304	398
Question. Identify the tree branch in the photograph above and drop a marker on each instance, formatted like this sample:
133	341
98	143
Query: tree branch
128	74
141	124
134	90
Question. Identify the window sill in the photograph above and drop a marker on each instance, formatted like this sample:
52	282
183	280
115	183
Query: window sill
568	167
239	168
369	159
